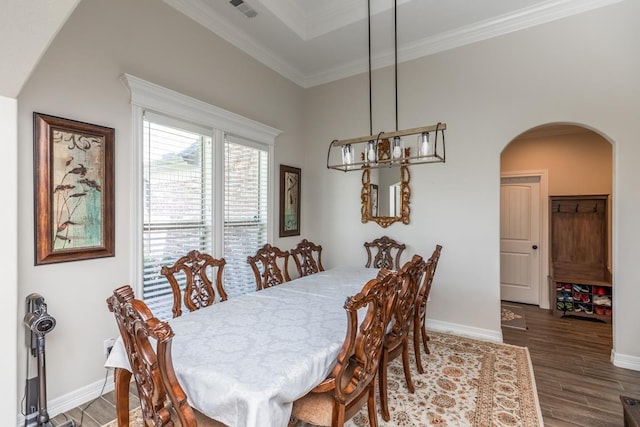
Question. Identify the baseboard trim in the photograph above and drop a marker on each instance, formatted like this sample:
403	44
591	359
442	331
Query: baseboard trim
625	361
465	331
77	397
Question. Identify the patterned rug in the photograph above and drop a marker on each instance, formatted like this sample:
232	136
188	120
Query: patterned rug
512	316
466	382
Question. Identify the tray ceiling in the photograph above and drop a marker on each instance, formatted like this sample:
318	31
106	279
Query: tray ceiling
316	41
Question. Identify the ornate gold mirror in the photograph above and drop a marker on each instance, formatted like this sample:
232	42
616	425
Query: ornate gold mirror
385	195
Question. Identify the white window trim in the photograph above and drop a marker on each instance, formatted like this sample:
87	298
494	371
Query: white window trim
150	96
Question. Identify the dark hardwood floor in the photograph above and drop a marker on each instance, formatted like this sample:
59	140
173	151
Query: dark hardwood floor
576	381
98	412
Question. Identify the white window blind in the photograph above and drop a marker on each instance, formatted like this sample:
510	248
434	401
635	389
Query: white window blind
184	201
245	211
179	211
177	203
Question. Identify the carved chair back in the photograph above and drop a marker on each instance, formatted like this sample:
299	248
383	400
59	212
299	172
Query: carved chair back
266	268
387	253
308	258
153	370
419	318
397	339
425	286
351	383
192	271
364	343
410	276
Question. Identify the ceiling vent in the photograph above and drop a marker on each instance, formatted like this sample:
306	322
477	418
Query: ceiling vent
244	8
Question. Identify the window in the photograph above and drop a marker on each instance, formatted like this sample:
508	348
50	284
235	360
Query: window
203	183
179	210
245	213
177	204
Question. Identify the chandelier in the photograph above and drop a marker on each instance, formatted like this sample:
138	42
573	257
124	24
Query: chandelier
388	149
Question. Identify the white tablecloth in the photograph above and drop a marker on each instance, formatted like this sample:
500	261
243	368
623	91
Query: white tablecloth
244	361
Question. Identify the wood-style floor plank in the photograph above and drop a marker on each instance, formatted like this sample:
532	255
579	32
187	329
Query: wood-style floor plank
577	383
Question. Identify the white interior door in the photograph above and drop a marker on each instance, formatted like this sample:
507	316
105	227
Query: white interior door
520	239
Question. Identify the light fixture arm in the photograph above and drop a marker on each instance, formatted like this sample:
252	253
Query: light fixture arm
395	50
369	42
390	135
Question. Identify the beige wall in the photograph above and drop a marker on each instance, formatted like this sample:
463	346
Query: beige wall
78	78
578	163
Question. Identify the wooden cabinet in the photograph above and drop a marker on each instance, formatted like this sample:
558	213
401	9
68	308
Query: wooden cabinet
580	281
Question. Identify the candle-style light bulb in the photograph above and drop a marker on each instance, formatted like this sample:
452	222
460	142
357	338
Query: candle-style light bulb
347	154
397	148
371	151
424	147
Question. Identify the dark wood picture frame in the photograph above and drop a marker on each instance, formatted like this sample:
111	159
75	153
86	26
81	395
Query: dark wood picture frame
289	201
74	203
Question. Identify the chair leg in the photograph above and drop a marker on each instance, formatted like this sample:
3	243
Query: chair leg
416	347
122	379
425	338
338	415
382	381
405	365
371	406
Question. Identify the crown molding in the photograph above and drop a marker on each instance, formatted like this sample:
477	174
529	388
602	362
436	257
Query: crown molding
205	16
522	19
342	13
331	16
542	13
291	13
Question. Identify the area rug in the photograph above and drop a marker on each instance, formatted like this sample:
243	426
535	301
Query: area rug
512	316
135	419
467	382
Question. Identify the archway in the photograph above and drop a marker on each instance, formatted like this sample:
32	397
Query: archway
562	161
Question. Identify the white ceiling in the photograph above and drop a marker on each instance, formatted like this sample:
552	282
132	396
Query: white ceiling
316	41
307	41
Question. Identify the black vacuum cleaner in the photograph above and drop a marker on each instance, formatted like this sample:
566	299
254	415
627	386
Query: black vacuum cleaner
39	323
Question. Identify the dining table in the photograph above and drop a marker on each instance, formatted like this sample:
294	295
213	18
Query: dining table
244	361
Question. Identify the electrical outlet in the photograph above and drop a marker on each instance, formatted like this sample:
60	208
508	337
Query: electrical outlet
108	345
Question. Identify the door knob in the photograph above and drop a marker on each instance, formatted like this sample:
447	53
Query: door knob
534	247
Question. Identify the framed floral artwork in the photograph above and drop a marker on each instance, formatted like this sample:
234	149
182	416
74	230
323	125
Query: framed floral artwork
289	201
74	190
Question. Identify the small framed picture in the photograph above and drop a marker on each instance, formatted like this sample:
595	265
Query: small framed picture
289	201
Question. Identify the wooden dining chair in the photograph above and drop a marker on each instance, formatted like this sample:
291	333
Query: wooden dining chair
420	316
352	380
192	271
397	339
266	268
163	402
308	258
387	253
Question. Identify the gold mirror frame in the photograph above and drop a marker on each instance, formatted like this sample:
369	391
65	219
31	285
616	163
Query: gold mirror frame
405	199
